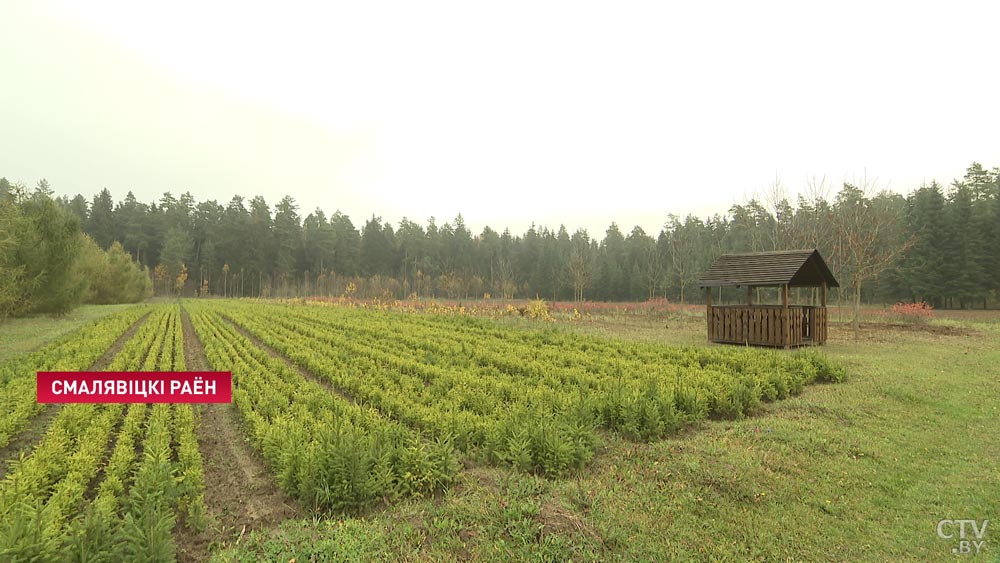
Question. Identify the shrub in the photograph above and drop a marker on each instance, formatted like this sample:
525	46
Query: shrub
538	309
826	371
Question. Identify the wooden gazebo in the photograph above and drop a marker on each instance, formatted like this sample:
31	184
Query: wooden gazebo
768	325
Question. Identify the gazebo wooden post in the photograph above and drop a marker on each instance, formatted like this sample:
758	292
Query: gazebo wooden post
749	295
786	333
708	311
822	327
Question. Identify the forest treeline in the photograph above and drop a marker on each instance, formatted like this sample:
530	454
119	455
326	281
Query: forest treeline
48	265
939	244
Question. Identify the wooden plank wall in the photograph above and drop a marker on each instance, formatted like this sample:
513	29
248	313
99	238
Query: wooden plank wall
766	326
819	323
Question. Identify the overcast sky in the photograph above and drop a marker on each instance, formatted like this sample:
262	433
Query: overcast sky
573	113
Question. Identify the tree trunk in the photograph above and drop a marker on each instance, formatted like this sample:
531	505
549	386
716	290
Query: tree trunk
857	311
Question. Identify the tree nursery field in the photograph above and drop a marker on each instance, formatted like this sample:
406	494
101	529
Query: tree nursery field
432	282
361	433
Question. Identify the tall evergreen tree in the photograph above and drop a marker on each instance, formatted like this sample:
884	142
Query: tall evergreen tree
47	250
287	238
260	238
965	266
346	245
376	249
77	207
925	265
101	221
317	243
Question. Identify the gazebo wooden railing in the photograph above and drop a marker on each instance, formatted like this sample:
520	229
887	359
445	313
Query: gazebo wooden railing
781	325
765	325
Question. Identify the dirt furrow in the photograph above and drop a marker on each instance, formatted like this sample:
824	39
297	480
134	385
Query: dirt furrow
240	493
105	360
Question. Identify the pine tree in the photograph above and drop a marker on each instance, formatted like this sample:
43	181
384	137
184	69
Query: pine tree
376	249
101	220
287	238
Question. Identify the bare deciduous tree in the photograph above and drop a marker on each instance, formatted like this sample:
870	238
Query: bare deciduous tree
864	225
505	275
580	266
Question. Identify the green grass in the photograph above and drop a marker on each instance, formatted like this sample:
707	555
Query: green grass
857	471
20	336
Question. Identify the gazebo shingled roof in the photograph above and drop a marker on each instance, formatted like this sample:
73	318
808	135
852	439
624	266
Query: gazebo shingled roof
797	268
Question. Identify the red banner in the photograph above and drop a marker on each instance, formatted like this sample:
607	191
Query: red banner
135	387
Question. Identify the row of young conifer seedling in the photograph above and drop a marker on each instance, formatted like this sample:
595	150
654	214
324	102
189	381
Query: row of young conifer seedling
107	482
383	404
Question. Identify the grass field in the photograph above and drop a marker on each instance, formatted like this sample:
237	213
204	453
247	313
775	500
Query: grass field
19	336
861	470
856	471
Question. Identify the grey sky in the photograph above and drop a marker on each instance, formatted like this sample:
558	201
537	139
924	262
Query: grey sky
512	113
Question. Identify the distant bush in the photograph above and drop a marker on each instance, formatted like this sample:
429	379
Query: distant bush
538	309
112	276
911	313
